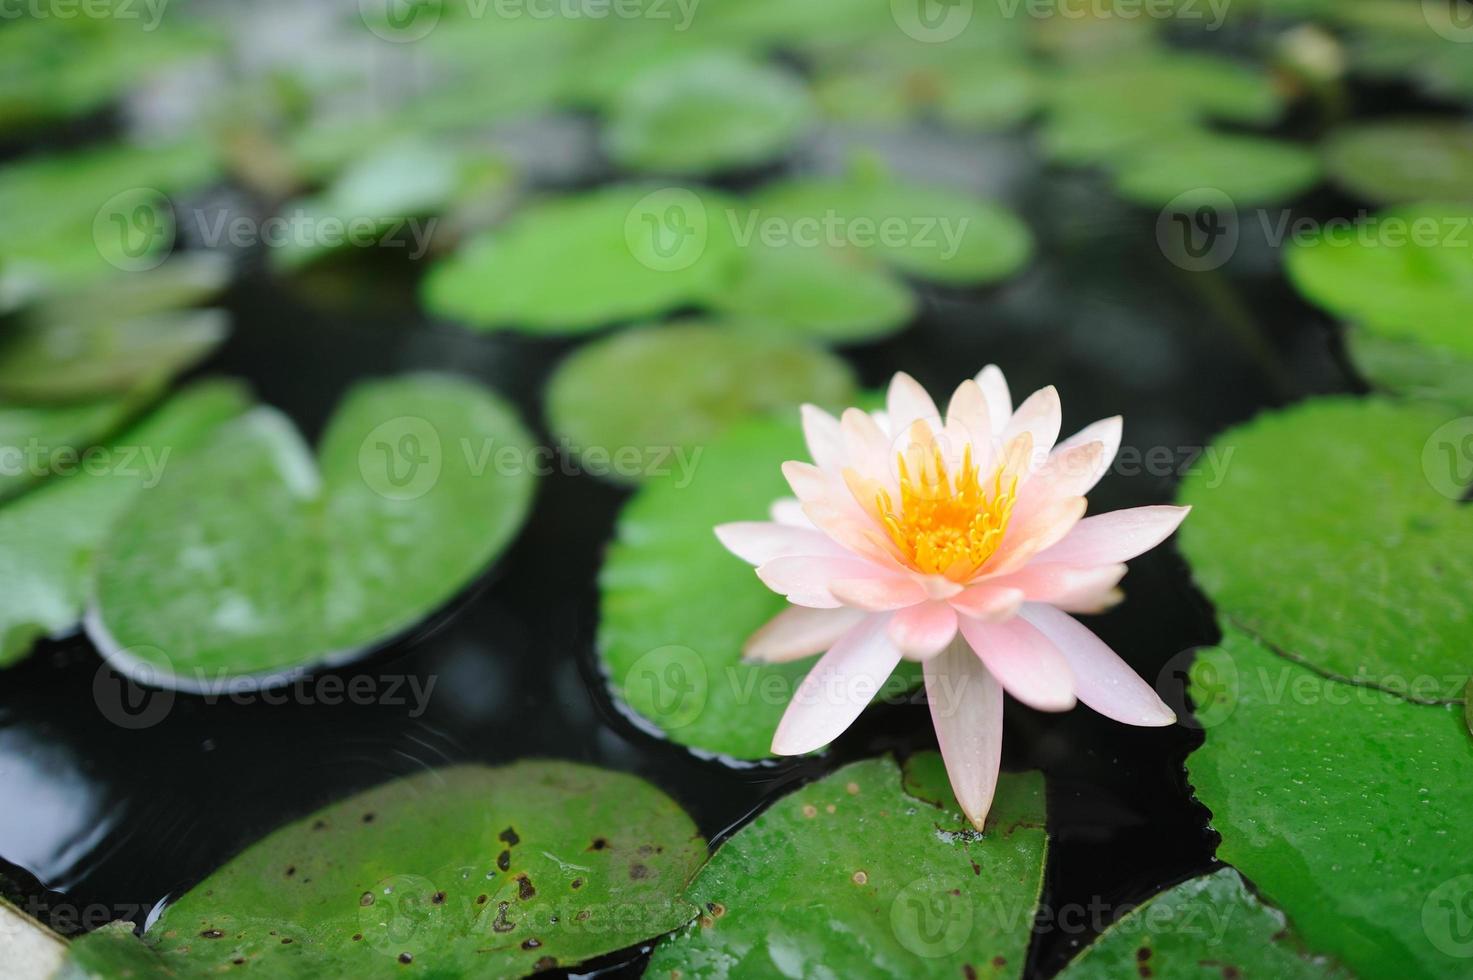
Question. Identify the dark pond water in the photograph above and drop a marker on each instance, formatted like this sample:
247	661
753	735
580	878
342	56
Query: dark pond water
101	817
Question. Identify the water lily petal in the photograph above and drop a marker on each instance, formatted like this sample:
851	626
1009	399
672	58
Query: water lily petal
798	632
805	579
1067	473
837	689
907	403
1103	681
756	542
1076	588
1117	536
878	594
1024	661
1033	533
966	709
1107	432
1041	415
789	511
968	410
988	602
999	401
825	445
923	630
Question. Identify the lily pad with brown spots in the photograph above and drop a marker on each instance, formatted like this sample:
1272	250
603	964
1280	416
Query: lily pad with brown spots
468	871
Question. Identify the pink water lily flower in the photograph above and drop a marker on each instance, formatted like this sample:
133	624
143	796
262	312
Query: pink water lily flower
958	542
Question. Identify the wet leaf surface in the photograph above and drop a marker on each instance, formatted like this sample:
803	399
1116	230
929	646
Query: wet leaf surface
676	607
455	872
53	532
251	561
855	876
650	400
1403	160
1342	804
1209	928
1336	533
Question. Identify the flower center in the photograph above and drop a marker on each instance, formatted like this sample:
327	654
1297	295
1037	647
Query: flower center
947	524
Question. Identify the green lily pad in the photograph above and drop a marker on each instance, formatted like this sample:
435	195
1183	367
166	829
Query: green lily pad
1344	805
82	216
824	294
601	398
854	876
52	533
124	334
707	112
1403	160
64	63
676	607
1209	927
250	562
99	357
388	198
968	93
467	871
1336	536
1102	109
39	441
584	261
1250	170
1405	275
928	232
1411	368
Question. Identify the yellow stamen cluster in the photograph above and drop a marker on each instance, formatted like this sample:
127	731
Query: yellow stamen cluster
947	524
